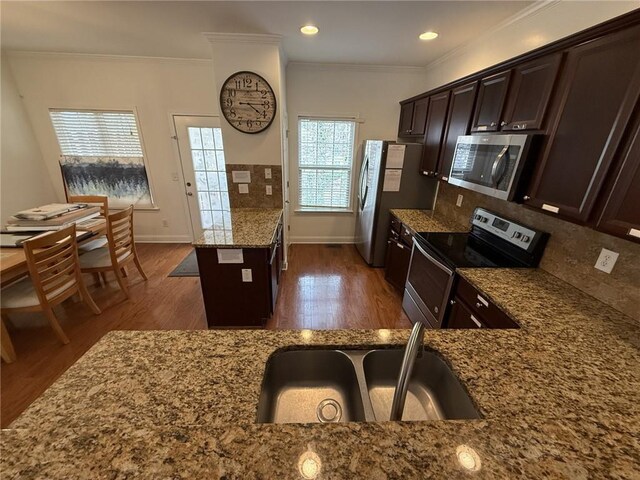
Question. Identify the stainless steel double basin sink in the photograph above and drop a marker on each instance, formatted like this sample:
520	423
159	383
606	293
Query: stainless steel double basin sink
327	386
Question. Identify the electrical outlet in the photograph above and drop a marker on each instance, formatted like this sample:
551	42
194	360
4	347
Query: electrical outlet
175	177
243	188
269	190
459	201
165	222
246	275
606	260
267	173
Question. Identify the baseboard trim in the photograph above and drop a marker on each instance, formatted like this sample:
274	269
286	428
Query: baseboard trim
301	239
163	239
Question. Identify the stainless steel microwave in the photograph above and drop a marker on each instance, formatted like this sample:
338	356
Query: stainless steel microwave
490	164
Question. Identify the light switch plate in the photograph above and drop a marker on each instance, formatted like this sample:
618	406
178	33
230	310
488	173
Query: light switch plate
459	201
243	188
606	260
246	275
267	173
269	190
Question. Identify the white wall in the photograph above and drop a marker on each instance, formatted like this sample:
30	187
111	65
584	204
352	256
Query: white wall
370	93
156	88
537	26
25	182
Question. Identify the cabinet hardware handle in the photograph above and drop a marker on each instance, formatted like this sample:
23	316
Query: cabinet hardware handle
452	302
502	124
526	198
493	124
475	320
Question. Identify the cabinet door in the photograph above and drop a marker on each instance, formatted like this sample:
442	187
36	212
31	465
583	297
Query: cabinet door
458	121
621	213
420	108
529	93
406	119
434	132
397	264
491	97
461	317
599	88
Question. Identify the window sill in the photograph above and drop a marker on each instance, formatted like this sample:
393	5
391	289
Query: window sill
323	210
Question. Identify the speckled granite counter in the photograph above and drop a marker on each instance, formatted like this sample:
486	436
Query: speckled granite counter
250	228
559	399
426	221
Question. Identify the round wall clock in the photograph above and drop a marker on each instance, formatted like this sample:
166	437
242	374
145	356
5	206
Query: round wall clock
247	102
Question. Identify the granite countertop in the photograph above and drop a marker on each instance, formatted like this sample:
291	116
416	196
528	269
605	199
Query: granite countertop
250	228
559	398
426	221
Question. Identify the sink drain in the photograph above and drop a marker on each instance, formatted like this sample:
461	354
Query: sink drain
329	411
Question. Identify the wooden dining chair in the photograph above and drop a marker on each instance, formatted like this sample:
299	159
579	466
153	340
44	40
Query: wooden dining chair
98	200
54	276
120	252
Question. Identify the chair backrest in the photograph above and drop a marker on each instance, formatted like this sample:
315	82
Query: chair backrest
120	235
99	200
53	265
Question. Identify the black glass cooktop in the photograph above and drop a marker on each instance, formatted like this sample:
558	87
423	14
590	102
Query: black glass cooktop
464	250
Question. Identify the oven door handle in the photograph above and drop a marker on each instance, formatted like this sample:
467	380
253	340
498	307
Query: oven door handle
432	259
496	164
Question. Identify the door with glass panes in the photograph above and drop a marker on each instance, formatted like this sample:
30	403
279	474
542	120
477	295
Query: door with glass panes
203	168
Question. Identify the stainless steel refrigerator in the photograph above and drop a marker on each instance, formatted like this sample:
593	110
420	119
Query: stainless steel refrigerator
389	178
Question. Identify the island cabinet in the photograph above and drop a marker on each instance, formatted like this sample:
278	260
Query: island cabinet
597	93
472	309
458	122
413	117
620	205
399	247
434	133
240	286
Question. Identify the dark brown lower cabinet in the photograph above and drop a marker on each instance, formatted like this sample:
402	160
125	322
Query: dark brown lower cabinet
397	263
460	316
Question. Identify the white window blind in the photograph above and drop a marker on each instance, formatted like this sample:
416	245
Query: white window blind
102	155
97	133
325	163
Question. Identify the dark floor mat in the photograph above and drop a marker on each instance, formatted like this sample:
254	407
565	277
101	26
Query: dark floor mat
187	268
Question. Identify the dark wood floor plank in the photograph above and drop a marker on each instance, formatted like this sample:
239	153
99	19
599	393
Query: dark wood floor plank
326	287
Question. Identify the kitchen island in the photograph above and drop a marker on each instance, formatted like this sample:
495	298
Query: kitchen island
240	268
559	398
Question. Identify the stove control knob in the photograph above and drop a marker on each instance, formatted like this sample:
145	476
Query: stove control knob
525	239
517	235
478	217
484	219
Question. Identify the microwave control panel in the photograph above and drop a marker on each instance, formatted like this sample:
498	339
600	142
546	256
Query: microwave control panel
514	233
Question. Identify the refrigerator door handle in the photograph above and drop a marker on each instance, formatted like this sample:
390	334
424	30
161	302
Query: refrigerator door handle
364	172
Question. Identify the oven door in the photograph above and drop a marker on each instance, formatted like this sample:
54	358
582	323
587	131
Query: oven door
489	164
429	284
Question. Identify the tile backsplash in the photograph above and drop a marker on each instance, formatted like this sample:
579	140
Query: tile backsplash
257	193
571	252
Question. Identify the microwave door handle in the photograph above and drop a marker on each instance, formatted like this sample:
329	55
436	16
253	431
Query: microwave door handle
432	260
496	163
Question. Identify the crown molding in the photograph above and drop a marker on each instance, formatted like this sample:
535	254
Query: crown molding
530	11
251	38
103	57
355	67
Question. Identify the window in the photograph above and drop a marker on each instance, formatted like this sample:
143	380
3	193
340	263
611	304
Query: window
207	154
325	163
102	155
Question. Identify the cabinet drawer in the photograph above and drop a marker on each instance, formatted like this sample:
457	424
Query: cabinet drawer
461	316
482	307
396	225
406	236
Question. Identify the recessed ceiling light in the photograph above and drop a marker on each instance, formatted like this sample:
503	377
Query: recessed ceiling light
309	29
428	36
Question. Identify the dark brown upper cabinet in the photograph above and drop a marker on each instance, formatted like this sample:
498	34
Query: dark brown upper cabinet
458	122
406	119
598	91
621	213
529	93
491	98
413	117
434	132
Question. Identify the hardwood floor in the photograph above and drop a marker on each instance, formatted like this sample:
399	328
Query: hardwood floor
326	287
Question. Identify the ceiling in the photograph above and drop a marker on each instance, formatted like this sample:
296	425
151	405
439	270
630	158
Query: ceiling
375	32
